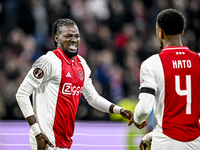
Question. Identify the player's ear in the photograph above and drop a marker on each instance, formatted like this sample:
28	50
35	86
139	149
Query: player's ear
161	33
56	38
182	32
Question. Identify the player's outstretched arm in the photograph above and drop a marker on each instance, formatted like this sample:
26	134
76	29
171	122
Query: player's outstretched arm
128	115
124	113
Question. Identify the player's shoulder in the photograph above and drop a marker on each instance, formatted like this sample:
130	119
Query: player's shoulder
84	64
151	59
82	60
46	59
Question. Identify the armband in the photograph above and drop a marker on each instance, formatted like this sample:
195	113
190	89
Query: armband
36	129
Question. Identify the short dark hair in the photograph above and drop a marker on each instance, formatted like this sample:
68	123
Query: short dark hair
59	23
171	21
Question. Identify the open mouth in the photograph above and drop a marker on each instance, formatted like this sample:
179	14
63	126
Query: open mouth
73	47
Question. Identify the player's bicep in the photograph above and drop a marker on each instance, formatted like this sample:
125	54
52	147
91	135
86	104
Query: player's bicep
35	76
147	90
147	78
89	90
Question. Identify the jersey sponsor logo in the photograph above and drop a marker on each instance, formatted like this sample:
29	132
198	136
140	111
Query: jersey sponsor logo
69	89
38	73
80	75
34	80
68	75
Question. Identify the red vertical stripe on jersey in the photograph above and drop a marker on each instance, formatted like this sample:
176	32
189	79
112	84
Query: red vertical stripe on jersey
68	99
182	93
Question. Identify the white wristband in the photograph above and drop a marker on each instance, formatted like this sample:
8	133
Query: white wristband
148	137
36	129
116	109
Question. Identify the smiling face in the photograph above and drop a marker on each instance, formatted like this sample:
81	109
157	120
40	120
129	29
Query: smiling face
68	39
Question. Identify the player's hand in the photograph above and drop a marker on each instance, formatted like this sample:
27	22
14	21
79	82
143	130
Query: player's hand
42	142
143	145
140	126
128	115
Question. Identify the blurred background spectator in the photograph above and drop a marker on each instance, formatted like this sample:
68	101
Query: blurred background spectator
116	36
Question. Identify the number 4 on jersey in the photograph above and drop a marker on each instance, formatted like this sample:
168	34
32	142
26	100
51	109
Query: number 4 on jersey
186	92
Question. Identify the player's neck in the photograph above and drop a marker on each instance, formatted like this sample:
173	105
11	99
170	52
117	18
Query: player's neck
172	41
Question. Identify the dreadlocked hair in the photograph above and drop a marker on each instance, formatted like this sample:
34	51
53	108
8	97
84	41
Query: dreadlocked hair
171	21
59	23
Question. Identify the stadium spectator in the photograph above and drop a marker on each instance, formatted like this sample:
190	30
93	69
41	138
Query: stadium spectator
99	30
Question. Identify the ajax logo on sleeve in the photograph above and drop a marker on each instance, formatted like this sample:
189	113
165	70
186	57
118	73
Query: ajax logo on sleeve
38	73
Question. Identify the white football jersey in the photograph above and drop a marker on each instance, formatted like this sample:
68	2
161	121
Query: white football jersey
57	83
174	74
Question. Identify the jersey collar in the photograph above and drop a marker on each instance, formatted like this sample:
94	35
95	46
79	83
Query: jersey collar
175	48
69	61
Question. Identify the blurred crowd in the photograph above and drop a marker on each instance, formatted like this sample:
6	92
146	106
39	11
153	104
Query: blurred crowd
116	36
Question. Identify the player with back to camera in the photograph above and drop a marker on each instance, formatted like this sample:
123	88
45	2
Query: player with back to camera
170	82
57	81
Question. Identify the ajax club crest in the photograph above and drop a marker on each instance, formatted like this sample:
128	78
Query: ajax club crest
80	75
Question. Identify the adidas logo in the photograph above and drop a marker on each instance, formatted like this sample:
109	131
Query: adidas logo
68	75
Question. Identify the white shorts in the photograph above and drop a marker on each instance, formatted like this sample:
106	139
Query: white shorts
33	143
161	141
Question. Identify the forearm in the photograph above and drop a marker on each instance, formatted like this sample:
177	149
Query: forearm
23	100
31	120
144	107
34	125
97	101
104	105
